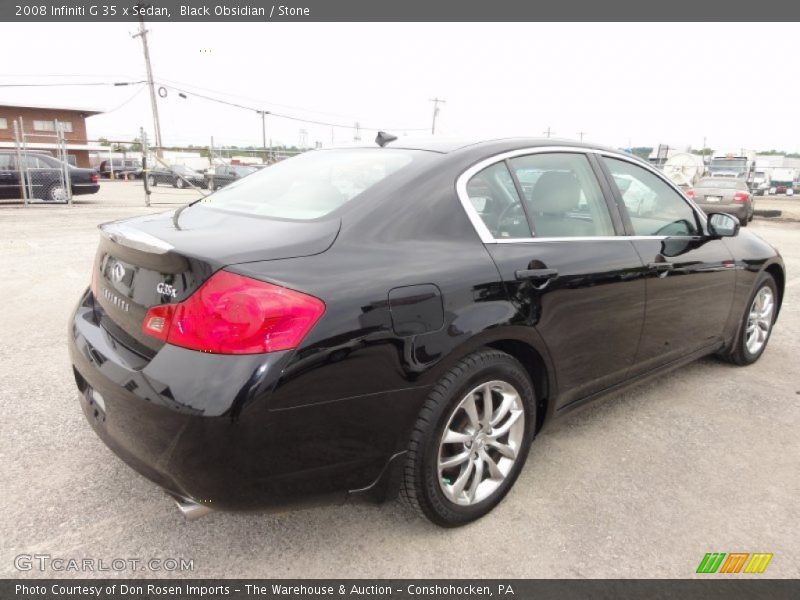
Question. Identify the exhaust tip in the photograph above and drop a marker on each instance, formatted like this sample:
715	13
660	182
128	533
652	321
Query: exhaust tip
191	509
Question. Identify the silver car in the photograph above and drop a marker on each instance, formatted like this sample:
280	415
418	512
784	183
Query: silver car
724	194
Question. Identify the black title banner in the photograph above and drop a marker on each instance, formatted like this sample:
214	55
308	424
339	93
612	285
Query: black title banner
407	10
716	588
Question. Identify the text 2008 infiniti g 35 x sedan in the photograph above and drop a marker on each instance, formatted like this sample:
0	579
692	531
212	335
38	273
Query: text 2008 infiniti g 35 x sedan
403	318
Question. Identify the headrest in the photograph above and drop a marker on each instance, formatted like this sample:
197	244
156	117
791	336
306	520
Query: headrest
555	192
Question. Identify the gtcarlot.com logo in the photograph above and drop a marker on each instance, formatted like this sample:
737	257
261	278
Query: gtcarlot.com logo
65	564
734	562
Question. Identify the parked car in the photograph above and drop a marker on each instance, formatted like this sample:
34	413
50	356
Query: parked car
353	322
131	167
726	195
222	175
44	176
178	176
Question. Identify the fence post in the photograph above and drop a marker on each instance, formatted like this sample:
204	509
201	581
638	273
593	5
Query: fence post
20	168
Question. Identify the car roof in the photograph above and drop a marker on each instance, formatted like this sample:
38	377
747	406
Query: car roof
446	145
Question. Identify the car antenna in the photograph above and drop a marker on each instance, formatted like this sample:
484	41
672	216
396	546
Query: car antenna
384	138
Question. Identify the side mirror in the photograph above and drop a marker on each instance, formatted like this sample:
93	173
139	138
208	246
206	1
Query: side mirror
722	225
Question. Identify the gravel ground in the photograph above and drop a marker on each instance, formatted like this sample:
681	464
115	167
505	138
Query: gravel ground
642	484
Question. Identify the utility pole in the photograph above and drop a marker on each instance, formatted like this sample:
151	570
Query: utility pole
436	102
548	133
580	135
264	114
156	124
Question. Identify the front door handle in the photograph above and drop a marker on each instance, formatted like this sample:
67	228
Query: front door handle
542	277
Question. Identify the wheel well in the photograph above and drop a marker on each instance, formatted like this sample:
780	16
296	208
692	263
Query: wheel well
535	366
780	280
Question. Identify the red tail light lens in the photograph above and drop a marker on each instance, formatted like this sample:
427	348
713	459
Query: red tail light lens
690	193
233	314
94	178
740	197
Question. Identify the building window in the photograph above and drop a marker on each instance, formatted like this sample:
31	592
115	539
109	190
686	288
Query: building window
44	126
51	126
3	123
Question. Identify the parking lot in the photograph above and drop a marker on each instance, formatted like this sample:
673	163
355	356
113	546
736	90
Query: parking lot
643	484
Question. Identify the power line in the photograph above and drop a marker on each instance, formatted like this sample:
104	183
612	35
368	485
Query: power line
81	84
285	116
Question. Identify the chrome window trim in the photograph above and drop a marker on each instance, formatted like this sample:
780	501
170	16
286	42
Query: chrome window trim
486	236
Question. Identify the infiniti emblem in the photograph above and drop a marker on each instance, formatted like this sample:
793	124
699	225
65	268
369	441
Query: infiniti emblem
118	272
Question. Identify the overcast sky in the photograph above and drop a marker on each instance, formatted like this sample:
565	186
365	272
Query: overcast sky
621	84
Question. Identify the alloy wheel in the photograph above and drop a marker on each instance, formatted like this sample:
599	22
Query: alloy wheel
57	193
480	443
759	320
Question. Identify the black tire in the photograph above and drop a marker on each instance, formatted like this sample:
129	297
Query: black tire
738	353
179	183
420	486
744	222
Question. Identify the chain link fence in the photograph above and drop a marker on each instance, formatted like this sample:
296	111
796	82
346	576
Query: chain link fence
36	171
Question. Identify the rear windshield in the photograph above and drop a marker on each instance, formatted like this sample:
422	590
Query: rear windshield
310	185
719	184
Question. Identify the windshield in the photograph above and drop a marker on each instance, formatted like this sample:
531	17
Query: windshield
183	170
310	185
718	183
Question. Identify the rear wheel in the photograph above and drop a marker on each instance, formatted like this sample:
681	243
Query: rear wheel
756	325
471	439
56	193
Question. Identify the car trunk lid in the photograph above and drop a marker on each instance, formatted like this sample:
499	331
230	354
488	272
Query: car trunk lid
160	259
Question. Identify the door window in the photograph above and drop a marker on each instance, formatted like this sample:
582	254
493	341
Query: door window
562	196
653	206
494	197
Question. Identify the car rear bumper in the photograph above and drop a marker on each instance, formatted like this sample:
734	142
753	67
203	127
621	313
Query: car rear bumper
199	425
85	188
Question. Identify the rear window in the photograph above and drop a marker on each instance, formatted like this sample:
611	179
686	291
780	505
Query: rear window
311	185
722	184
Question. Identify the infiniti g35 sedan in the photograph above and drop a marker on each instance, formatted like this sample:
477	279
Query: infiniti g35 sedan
402	319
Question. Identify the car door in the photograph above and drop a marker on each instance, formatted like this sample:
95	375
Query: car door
691	277
555	235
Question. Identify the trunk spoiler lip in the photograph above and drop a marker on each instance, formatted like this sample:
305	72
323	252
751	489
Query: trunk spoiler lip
134	238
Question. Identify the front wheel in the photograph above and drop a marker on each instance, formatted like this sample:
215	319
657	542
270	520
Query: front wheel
470	440
756	325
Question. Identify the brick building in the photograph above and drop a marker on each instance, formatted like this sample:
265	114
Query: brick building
40	134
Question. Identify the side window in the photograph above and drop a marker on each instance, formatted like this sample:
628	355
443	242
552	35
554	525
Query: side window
8	162
562	196
653	206
494	197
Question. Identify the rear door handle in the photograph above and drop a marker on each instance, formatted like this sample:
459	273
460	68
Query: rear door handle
542	277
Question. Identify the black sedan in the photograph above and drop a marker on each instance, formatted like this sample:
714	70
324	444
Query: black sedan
178	176
400	319
223	175
43	176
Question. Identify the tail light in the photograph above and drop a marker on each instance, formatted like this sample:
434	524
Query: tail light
233	314
94	178
740	197
690	193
